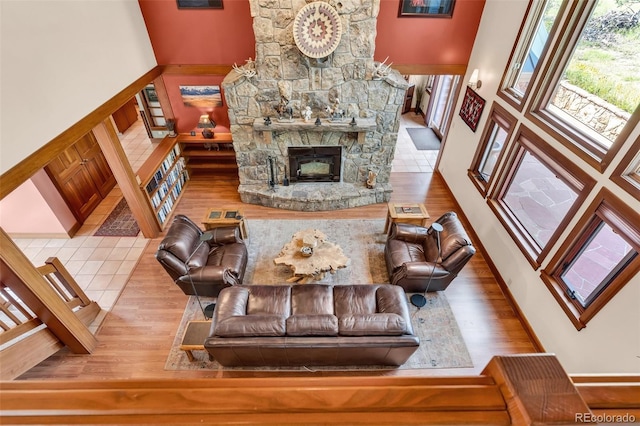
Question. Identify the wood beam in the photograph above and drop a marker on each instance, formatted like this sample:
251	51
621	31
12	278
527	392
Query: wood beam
219	69
114	154
19	274
431	69
22	171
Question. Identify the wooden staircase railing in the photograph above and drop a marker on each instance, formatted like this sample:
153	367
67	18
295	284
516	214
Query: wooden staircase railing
520	390
24	339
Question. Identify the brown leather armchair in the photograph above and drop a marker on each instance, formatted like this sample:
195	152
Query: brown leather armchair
208	261
411	254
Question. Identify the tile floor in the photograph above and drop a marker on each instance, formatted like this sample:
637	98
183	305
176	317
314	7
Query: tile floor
102	265
408	159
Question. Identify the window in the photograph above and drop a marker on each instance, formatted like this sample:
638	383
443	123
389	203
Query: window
627	174
590	95
538	193
530	48
495	136
597	260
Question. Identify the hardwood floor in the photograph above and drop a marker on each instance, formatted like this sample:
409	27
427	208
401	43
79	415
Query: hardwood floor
136	336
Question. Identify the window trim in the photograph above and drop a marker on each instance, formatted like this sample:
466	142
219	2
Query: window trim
576	140
500	116
526	33
572	175
621	176
607	208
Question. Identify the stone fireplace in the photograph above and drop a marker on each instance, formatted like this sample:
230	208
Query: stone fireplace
354	105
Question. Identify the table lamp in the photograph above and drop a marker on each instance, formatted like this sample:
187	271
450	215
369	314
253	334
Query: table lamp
206	124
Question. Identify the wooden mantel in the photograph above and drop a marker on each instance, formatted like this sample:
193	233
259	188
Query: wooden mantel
361	126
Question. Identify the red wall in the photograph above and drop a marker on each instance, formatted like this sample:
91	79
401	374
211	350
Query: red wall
199	36
187	116
427	41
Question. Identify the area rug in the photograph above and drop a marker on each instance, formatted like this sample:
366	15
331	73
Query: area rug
424	139
441	343
119	223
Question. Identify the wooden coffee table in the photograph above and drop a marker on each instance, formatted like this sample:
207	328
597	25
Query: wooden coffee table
414	213
326	257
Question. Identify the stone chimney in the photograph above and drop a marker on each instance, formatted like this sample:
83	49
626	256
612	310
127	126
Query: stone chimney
355	103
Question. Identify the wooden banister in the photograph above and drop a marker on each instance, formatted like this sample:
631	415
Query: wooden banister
27	339
519	390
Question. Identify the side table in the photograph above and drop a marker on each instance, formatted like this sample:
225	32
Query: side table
414	213
194	336
216	218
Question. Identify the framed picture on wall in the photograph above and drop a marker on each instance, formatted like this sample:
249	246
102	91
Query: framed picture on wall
471	110
199	4
427	8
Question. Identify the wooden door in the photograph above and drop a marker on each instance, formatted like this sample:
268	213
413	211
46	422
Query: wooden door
408	99
74	182
82	176
96	164
125	116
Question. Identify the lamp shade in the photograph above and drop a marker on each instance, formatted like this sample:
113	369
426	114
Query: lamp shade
205	122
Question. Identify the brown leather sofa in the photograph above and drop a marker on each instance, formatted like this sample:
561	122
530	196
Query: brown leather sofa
311	324
207	261
411	254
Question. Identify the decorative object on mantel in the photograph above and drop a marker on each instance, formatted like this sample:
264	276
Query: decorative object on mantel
371	180
306	113
353	121
334	111
317	29
284	110
267	121
471	110
318	122
206	124
382	69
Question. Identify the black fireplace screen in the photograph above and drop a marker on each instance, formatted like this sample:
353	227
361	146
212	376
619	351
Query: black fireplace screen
315	164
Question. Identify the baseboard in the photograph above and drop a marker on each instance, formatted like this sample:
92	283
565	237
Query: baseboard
40	236
477	243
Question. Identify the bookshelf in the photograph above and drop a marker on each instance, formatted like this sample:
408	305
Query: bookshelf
163	178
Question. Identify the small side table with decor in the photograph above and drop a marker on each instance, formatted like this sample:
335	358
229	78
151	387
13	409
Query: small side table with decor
413	213
216	218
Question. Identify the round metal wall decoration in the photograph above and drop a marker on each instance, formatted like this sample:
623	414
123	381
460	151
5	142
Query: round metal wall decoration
317	29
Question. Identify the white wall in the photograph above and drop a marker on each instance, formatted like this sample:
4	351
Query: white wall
611	341
60	59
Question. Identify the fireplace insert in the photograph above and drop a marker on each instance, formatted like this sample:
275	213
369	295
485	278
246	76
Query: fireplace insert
315	163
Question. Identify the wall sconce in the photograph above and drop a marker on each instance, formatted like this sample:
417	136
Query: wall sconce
206	124
474	82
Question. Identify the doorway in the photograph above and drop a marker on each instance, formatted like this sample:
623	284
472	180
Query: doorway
423	127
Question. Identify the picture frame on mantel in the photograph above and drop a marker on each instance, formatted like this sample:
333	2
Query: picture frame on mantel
426	8
199	4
